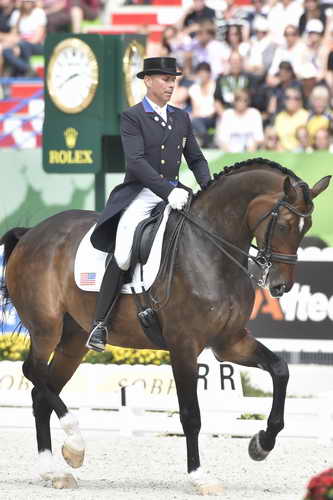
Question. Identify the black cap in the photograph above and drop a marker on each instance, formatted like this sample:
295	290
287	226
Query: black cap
159	66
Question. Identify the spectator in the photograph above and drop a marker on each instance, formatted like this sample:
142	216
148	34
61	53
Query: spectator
6	10
320	116
28	28
201	96
271	140
322	140
315	51
292	52
286	78
312	10
174	43
205	48
284	13
240	129
288	121
67	15
180	97
197	13
227	84
262	49
303	138
234	40
259	10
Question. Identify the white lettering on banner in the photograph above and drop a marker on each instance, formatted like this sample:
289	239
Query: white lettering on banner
303	305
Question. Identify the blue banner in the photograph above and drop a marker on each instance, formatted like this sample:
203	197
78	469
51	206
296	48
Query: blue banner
9	318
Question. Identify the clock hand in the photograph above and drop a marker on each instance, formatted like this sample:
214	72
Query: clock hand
68	79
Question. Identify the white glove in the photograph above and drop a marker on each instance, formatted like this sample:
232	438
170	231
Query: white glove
178	198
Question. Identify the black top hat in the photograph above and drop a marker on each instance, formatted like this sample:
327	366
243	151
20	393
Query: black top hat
158	66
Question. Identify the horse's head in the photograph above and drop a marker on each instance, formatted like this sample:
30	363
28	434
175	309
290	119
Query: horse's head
279	221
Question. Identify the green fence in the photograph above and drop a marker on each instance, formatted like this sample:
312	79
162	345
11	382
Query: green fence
29	195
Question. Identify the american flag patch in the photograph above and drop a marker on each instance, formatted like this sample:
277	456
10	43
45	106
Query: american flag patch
87	278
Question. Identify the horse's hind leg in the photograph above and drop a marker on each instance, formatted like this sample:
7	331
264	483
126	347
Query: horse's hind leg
249	352
45	400
185	371
66	359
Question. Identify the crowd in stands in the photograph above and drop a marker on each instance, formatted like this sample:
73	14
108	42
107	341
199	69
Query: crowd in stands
258	76
24	24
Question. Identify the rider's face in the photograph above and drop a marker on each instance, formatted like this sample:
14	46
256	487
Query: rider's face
160	88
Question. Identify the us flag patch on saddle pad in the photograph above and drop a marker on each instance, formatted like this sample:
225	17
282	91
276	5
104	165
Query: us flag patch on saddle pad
87	279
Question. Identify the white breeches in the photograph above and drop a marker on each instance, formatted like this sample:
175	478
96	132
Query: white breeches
137	211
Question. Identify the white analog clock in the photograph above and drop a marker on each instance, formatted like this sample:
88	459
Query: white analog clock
72	75
132	64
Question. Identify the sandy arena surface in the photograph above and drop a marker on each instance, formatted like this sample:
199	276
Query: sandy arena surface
153	468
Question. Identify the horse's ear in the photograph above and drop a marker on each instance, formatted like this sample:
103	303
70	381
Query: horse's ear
320	186
289	191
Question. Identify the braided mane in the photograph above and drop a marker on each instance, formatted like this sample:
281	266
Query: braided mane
262	162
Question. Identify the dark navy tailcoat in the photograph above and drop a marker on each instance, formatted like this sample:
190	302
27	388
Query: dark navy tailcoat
153	150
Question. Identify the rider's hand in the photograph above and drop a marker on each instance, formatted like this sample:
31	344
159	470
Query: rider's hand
178	198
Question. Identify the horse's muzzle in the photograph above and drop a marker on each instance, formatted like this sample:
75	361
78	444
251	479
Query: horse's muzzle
278	290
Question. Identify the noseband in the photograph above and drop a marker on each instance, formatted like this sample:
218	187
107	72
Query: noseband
265	256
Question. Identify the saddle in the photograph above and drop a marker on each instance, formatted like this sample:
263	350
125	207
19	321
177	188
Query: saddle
144	236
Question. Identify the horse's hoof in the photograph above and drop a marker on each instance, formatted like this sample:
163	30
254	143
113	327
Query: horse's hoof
204	483
67	481
74	458
256	451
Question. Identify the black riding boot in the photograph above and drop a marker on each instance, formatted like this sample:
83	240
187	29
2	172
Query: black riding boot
113	280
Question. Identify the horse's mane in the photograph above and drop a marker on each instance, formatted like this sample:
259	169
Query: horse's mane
260	162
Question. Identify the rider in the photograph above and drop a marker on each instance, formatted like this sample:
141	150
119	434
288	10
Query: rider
154	137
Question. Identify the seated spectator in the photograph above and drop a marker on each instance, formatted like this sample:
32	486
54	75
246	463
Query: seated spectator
259	9
312	10
174	43
67	15
271	140
234	40
304	142
201	96
205	48
28	27
6	10
288	121
194	15
315	51
240	129
286	78
320	116
292	51
227	84
180	96
323	140
262	49
283	14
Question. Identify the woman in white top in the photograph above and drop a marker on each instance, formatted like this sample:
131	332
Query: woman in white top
240	129
28	24
201	95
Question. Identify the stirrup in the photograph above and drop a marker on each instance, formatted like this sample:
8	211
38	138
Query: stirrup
97	338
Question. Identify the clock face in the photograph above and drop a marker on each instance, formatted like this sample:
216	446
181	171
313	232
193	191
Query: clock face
133	64
72	75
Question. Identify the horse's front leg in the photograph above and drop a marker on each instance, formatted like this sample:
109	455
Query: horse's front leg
250	352
185	371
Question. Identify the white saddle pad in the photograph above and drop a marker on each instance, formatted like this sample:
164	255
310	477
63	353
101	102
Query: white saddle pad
89	264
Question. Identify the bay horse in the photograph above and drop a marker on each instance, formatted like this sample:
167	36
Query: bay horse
210	301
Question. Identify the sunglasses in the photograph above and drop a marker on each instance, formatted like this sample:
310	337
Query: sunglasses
242	99
290	33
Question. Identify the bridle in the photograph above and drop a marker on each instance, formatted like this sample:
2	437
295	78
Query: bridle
265	256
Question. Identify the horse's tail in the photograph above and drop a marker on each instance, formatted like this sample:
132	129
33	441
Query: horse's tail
9	240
